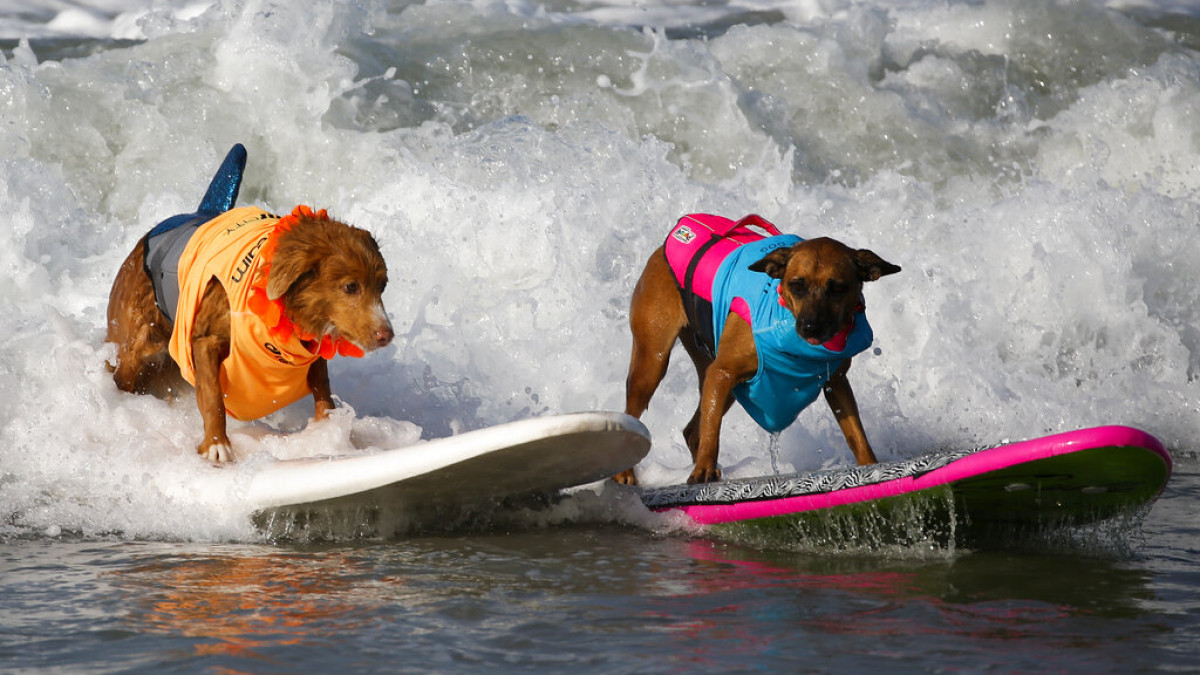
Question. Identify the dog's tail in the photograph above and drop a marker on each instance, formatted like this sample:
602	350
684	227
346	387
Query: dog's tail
223	190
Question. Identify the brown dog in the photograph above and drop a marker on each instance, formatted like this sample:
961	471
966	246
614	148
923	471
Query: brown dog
263	302
817	307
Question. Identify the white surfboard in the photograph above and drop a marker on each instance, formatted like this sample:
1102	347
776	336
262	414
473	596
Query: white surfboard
535	456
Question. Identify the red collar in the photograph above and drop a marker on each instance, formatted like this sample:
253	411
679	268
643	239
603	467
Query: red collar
837	343
271	312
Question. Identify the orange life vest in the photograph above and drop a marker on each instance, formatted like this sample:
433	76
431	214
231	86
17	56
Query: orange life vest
266	369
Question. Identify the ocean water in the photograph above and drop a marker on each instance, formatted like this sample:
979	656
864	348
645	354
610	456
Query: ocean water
1033	166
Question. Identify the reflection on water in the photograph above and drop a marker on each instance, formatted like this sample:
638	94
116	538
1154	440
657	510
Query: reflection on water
524	597
777	601
613	599
602	598
237	603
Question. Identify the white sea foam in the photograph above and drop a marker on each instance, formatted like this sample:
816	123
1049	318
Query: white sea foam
1031	166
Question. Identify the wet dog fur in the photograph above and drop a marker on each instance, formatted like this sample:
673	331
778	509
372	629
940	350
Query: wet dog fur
331	277
821	283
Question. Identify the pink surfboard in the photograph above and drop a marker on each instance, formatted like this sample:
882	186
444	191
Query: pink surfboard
1075	477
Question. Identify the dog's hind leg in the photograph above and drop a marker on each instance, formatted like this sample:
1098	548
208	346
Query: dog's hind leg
147	368
647	367
655	318
140	331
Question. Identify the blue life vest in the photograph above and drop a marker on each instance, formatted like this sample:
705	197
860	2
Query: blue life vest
791	372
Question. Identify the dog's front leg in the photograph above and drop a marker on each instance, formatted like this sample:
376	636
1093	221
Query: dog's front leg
736	362
207	354
715	400
322	393
840	398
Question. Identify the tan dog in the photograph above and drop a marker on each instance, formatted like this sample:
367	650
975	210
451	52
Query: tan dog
263	302
820	287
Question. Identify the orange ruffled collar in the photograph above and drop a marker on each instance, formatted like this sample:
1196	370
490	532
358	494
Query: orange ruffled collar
271	311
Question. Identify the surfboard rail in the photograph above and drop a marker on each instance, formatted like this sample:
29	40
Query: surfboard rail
1000	473
539	454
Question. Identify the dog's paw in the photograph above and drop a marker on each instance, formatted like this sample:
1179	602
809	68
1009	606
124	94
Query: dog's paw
704	474
218	453
626	477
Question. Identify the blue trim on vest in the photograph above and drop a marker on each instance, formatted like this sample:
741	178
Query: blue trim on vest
791	372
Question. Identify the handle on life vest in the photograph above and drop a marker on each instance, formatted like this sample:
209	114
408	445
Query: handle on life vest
755	219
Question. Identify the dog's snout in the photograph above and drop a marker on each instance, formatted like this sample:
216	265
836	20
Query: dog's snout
384	335
810	332
814	330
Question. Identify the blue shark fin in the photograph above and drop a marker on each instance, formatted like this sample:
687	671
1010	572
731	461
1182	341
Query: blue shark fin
223	190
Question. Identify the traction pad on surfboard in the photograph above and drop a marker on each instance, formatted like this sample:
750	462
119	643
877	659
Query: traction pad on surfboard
795	484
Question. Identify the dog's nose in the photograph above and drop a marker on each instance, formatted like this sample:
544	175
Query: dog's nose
811	332
384	335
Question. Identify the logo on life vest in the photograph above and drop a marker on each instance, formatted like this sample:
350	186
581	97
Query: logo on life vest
246	221
277	353
247	261
683	234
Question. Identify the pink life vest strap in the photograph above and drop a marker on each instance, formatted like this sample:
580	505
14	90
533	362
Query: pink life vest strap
695	249
700	242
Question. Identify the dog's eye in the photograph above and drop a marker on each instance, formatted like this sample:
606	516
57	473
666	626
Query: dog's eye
798	286
350	288
836	287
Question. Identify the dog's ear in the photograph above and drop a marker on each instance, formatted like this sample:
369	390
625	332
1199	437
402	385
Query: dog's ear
286	270
774	263
871	266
